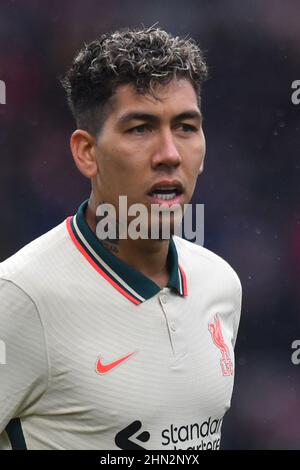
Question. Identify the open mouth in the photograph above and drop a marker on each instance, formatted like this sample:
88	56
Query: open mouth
165	194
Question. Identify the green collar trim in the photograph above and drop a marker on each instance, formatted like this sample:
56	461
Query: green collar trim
127	280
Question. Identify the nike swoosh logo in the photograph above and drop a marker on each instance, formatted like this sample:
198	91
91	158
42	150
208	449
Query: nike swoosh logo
104	368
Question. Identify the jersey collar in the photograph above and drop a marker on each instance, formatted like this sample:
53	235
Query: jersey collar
128	281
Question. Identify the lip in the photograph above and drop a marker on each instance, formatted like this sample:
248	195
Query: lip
166	183
179	199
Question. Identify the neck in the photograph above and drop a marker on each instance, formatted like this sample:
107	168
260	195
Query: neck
146	256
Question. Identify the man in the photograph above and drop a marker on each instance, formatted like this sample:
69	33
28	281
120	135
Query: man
123	343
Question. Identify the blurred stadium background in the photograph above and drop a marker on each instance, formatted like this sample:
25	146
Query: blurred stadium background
250	186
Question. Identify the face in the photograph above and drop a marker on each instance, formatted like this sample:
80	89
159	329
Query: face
150	149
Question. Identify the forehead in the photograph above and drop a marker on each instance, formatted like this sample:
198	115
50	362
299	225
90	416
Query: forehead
168	100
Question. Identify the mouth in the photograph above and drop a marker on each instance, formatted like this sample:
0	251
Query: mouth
166	193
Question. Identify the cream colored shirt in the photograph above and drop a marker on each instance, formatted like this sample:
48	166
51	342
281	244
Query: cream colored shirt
99	357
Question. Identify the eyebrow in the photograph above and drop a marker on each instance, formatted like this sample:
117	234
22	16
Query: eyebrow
137	116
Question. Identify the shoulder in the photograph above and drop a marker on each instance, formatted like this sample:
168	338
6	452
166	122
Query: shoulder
199	260
34	259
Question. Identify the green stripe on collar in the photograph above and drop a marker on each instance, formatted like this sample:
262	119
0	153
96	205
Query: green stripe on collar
132	283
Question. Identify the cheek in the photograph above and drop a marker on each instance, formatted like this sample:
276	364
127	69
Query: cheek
196	157
200	152
119	172
125	157
202	145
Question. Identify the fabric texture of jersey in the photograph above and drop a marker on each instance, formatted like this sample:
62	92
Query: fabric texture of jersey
97	356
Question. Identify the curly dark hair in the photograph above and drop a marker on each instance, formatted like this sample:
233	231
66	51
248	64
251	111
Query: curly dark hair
142	57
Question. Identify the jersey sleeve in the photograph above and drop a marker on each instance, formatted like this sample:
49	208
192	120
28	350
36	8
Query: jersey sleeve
23	355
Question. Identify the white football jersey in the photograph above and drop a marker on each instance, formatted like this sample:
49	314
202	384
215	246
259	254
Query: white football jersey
98	356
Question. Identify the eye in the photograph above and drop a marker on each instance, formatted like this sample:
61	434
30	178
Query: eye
187	127
139	130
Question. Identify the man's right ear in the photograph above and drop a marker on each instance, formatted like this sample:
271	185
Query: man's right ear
83	150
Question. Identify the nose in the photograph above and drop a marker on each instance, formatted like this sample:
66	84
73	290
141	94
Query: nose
167	153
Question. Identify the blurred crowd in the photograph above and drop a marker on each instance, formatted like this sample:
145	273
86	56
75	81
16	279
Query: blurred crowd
250	184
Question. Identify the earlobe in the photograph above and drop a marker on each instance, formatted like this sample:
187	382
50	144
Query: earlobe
83	150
